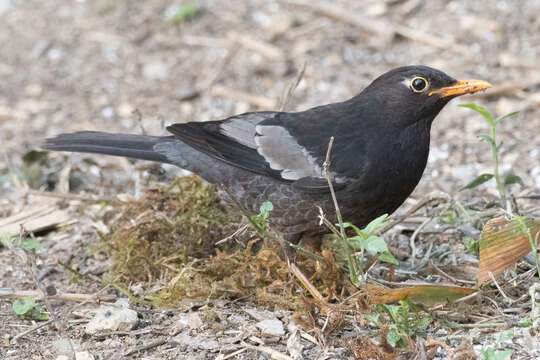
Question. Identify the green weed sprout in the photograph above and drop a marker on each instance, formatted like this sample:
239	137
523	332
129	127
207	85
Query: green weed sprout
27	308
404	322
495	151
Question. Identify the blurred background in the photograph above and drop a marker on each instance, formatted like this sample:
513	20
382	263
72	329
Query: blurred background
136	66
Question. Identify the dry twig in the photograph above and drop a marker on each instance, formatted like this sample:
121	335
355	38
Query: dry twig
12	293
150	345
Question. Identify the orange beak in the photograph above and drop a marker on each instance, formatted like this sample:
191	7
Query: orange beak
462	87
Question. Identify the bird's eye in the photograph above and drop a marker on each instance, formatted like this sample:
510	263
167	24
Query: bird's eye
419	84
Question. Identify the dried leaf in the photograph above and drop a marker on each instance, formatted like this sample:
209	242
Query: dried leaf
423	294
502	244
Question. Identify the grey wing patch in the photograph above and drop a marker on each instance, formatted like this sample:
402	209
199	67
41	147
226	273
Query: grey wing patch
284	154
241	128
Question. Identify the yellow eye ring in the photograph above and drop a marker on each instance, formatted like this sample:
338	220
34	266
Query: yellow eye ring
418	84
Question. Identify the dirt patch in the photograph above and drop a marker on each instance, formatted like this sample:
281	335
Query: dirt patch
136	66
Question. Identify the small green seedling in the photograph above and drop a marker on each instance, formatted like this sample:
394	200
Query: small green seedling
472	245
491	352
27	308
366	241
260	221
8	240
403	321
495	151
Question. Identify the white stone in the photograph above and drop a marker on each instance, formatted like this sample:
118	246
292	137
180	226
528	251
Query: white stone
111	318
191	320
272	327
83	355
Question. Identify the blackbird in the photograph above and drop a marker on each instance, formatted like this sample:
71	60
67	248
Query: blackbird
379	153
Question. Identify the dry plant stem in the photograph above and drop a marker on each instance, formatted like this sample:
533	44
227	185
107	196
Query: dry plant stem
350	260
508	300
304	280
468	297
68	196
146	347
32	329
12	293
442	273
292	88
233	354
481	326
240	230
413	238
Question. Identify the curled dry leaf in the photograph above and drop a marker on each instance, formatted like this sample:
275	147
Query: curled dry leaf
503	243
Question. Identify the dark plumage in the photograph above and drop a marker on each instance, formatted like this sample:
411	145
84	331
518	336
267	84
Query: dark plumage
380	150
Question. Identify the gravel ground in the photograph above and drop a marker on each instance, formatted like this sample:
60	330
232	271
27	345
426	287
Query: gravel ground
127	66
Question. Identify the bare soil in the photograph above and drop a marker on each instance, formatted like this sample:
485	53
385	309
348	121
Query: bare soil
127	66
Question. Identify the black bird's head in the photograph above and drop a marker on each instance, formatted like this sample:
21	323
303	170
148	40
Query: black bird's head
409	94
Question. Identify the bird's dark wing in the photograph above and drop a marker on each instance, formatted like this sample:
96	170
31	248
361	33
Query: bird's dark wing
247	141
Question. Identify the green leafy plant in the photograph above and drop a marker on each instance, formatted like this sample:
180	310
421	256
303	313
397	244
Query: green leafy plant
260	221
472	245
26	243
404	322
495	152
492	352
27	308
365	240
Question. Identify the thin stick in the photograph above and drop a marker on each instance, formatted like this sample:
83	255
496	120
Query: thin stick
146	347
468	297
304	280
33	328
509	300
485	325
326	173
68	196
240	230
413	238
231	355
442	273
12	293
292	87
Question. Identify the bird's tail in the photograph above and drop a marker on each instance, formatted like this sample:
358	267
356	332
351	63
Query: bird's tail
133	146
